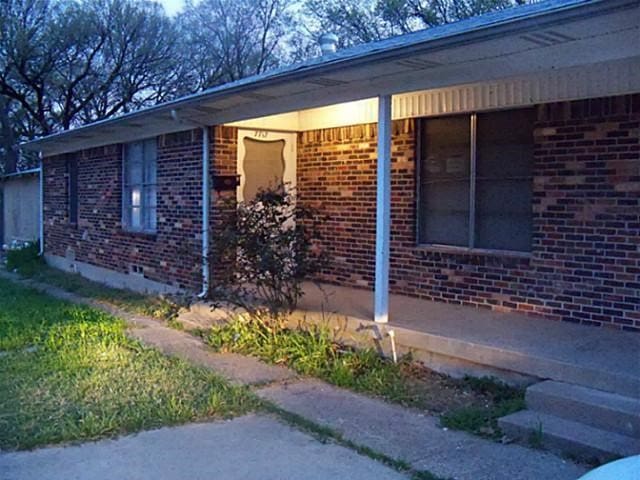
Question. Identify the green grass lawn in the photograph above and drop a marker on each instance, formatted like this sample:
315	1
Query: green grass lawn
473	405
69	373
153	306
29	264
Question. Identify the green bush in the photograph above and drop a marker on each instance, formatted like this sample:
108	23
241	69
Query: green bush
25	259
265	249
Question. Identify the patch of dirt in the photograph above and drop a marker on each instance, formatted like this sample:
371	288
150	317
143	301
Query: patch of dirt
437	393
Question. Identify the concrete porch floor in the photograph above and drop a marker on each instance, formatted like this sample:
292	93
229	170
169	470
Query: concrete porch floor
457	339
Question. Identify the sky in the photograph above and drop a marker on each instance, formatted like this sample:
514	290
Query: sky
171	6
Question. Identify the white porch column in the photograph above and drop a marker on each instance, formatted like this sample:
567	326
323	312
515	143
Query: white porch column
383	210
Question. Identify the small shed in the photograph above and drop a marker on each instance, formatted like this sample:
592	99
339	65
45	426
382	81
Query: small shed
20	202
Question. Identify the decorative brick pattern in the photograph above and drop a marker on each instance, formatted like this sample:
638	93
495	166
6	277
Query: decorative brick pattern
585	261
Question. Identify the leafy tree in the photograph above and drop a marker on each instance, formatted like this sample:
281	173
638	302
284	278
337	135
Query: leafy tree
8	143
140	62
227	40
365	21
64	63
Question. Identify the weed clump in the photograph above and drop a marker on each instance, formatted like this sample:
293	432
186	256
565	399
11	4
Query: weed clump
310	350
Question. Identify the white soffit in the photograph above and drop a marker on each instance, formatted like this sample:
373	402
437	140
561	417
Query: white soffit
598	80
535	57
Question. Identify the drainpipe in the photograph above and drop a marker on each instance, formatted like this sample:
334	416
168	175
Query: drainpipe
41	204
205	197
205	212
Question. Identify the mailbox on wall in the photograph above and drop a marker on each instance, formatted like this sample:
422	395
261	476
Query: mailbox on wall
226	182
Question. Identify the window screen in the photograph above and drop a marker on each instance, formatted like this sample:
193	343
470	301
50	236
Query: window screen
139	193
444	181
497	168
503	180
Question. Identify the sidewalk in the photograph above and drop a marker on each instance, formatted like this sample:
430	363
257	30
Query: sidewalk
396	432
253	447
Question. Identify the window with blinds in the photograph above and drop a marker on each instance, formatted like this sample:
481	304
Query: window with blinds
139	186
475	180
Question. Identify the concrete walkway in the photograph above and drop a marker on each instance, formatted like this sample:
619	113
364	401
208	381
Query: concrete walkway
246	448
238	369
399	433
415	438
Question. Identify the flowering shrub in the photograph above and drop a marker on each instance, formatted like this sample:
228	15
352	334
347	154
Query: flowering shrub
264	250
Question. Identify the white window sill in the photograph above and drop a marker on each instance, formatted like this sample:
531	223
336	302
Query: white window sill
139	233
453	250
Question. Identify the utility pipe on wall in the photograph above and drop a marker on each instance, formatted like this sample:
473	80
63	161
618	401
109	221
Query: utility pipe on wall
41	204
206	161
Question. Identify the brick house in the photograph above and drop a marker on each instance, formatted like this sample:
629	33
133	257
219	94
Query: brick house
494	163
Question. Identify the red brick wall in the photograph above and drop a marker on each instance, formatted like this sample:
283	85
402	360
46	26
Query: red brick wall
336	170
224	162
585	261
587	210
171	255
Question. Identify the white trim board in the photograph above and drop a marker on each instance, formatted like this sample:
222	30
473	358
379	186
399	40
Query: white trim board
597	80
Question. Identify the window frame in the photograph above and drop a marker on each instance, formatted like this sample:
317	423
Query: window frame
473	159
127	209
73	198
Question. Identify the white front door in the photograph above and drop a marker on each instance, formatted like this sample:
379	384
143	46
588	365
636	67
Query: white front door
265	159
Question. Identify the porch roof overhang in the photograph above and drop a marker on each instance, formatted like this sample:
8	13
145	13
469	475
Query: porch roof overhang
20	173
518	41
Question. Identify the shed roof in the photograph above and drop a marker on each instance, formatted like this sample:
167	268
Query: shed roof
20	173
508	41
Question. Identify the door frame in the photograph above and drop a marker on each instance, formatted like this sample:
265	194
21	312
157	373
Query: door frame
289	153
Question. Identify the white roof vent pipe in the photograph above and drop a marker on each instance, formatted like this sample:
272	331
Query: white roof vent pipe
328	43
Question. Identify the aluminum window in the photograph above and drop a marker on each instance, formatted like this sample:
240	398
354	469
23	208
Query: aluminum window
72	189
474	180
139	186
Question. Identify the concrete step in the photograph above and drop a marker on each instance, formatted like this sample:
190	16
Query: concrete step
603	410
570	438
